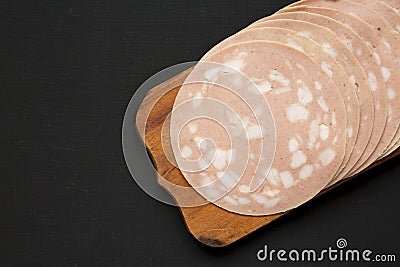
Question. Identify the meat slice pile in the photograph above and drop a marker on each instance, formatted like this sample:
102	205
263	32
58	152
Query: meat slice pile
290	105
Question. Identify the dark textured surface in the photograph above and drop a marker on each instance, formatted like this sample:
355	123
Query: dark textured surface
67	72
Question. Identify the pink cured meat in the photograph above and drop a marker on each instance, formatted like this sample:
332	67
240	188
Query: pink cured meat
392	16
395	4
324	57
344	56
289	182
365	55
384	42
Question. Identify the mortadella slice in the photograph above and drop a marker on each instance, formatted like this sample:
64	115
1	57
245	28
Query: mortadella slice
304	104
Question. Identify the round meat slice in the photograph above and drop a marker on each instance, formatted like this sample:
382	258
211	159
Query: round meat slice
343	55
304	104
324	57
384	42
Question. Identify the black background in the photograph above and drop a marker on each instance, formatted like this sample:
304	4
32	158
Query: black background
67	71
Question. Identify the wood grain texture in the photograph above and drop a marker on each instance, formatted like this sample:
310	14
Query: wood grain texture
209	224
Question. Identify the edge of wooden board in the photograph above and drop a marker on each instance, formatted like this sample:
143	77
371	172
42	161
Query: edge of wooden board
209	224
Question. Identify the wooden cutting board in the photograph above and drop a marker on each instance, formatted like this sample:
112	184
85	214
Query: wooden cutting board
209	224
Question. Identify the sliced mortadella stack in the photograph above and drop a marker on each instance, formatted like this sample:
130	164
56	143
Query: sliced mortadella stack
304	104
393	18
377	33
322	55
329	40
365	56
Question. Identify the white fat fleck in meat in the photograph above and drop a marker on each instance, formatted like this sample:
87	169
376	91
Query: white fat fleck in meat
244	189
377	58
295	46
386	43
318	86
271	203
298	65
197	100
326	117
287	179
273	177
271	192
322	104
349	44
333	119
329	49
243	201
265	86
304	94
186	152
317	166
353	79
298	159
254	132
335	139
304	33
275	75
259	199
398	26
230	200
296	112
391	93
350	132
313	133
359	52
252	155
327	156
293	145
220	159
211	75
306	172
372	81
283	90
236	64
192	128
213	193
386	73
326	69
323	132
378	106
